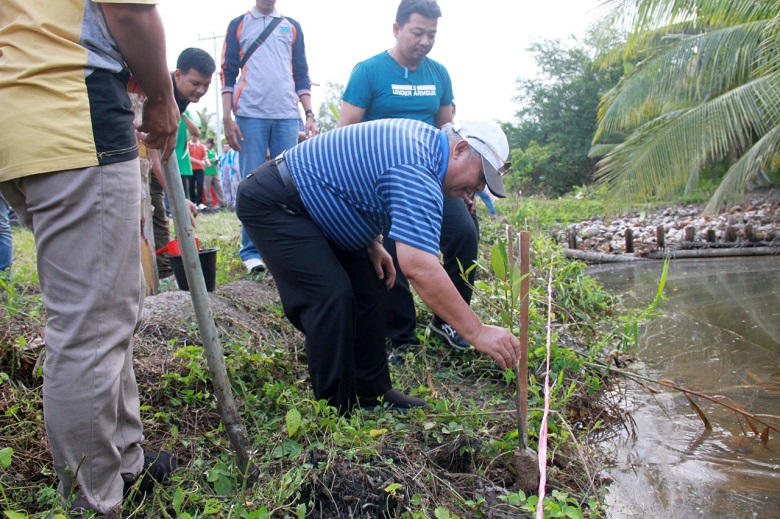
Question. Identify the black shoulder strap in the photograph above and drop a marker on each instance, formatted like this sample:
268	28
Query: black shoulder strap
260	39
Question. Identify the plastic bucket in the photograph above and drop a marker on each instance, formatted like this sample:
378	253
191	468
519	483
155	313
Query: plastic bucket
208	264
173	249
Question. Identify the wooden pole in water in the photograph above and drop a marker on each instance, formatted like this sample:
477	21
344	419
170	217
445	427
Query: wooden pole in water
660	237
731	234
208	331
749	234
571	238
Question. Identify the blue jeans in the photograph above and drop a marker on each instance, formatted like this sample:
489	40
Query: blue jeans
260	136
6	239
488	201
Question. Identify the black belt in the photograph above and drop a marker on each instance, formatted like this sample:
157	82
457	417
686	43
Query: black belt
284	172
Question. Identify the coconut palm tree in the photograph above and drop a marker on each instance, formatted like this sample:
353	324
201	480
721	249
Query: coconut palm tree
206	125
705	87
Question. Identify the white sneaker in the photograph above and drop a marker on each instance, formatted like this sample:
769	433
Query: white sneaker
254	265
201	207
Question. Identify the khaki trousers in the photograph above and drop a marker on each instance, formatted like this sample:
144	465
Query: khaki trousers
86	224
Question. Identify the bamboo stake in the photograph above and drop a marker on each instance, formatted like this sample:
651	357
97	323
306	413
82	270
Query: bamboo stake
522	367
208	331
526	460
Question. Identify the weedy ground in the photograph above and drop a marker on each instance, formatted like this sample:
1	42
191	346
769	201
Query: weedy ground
452	459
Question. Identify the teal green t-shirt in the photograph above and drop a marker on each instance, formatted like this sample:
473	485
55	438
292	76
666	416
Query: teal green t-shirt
211	154
386	90
182	150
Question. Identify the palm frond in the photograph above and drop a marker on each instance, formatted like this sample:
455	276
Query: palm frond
734	184
683	75
770	47
601	150
637	17
659	158
730	12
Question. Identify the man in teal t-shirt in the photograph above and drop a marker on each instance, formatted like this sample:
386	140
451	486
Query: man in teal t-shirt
385	89
404	82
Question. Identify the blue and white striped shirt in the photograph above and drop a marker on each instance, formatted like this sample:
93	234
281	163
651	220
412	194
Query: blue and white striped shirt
364	179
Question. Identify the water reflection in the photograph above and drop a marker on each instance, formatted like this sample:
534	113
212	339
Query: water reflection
720	335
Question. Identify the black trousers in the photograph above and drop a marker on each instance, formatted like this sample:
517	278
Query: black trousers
196	187
188	182
331	295
459	245
160	225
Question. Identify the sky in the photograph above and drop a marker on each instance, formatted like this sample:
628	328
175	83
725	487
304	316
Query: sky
482	44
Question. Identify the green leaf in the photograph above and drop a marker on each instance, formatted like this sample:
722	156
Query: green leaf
289	449
293	420
178	499
262	513
16	515
391	488
498	259
506	318
6	456
223	486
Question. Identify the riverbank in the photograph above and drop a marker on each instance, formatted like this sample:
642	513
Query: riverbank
754	221
457	457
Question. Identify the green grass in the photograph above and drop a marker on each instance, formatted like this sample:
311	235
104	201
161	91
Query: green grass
435	462
24	264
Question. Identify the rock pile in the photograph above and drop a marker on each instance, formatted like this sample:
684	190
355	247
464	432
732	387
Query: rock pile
755	221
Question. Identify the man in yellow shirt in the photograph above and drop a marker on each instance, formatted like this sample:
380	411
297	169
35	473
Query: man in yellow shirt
65	65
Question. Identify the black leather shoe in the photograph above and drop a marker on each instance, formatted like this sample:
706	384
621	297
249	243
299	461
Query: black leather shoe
157	467
394	400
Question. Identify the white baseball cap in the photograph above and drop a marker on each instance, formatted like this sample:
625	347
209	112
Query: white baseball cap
490	142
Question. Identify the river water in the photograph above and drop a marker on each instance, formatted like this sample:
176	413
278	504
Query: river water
720	335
